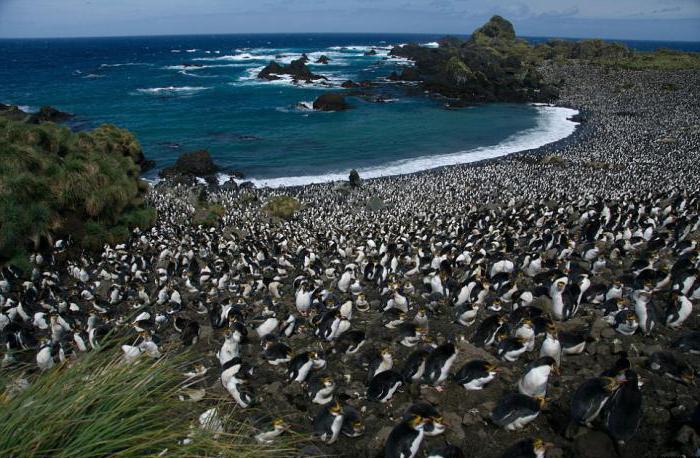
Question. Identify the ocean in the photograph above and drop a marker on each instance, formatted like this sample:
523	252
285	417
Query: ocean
184	93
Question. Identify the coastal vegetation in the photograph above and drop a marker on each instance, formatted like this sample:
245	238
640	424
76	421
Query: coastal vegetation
98	405
55	183
282	207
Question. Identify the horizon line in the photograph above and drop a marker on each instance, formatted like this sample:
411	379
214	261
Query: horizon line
443	34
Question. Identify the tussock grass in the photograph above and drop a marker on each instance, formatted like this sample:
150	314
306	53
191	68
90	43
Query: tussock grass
662	59
100	406
54	183
282	207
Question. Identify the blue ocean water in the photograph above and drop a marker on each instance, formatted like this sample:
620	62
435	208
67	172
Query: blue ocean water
183	93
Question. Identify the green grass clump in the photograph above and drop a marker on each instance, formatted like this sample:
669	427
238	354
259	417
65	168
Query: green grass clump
661	59
55	183
282	207
100	406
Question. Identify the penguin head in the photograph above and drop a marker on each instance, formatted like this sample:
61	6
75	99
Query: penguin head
610	384
541	401
539	447
416	421
279	424
687	375
551	329
335	408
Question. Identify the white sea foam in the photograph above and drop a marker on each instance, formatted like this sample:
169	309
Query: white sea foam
552	125
172	89
127	64
432	44
238	57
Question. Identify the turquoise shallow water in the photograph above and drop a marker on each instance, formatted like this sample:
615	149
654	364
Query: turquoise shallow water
184	93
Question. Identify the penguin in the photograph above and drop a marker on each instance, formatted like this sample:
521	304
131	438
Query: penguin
267	437
526	332
328	422
589	399
320	390
678	310
435	425
625	322
527	448
573	342
510	348
300	366
349	342
383	386
353	426
466	314
383	361
646	312
623	412
551	346
439	363
514	411
533	382
475	374
405	439
445	451
666	363
241	391
276	353
486	333
414	367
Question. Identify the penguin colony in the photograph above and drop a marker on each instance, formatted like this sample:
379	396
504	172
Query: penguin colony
511	308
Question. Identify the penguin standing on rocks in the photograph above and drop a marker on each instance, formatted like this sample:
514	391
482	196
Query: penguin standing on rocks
414	367
320	390
405	439
475	374
666	363
301	365
623	413
590	398
533	382
328	423
439	363
551	346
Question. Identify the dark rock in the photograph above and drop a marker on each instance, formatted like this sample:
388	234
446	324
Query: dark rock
348	84
331	101
488	67
371	52
49	114
593	444
196	164
354	178
229	185
323	59
246	185
297	69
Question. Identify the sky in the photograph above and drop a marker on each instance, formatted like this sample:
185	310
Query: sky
615	19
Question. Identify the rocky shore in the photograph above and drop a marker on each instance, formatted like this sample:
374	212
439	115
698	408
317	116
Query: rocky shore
611	213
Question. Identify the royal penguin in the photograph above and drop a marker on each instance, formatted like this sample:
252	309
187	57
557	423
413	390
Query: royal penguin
678	310
527	448
328	422
405	439
267	437
353	425
379	362
436	424
320	390
514	411
551	346
475	374
589	399
300	366
439	363
623	412
383	386
414	367
533	382
510	348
